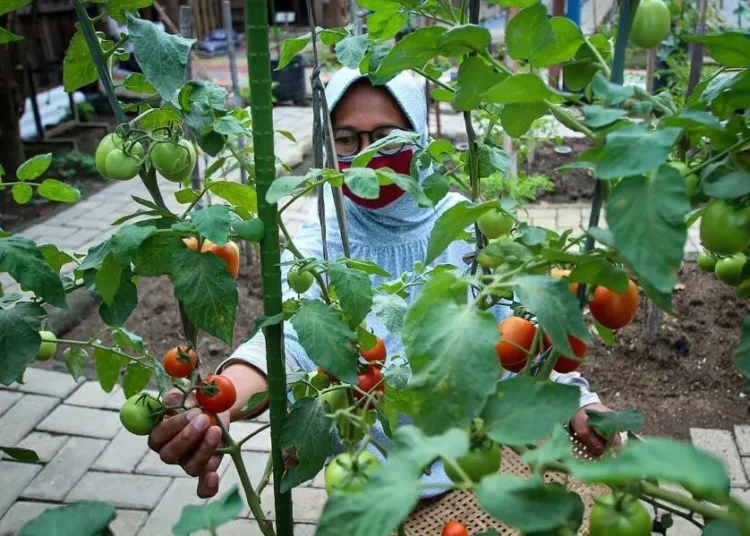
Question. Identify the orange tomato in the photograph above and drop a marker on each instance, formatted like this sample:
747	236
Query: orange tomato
614	310
560	273
376	354
566	364
180	361
516	337
454	528
230	252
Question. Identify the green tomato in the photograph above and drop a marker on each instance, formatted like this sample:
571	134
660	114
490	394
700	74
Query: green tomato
724	229
116	162
729	270
629	518
346	474
299	282
478	463
140	414
691	182
174	161
707	262
651	24
494	224
335	399
47	349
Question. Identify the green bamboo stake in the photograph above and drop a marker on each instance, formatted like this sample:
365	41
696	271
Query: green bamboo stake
259	67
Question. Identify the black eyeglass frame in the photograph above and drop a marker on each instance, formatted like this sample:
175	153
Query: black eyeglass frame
369	133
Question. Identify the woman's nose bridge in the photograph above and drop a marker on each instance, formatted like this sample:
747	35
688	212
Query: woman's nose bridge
365	140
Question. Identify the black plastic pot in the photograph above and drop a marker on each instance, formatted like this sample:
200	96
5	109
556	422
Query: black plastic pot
291	80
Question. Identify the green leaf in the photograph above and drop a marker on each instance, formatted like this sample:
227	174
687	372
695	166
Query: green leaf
609	423
396	136
12	5
127	339
694	119
366	266
524	44
137	82
351	50
230	125
436	187
520	88
608	92
108	279
567	40
390	309
108	365
557	448
394	488
185	196
363	182
117	8
646	217
78	66
154	256
288	135
22	193
731	49
213	223
77	360
524	409
663	459
598	271
210	515
255	400
525	503
21	258
55	190
720	527
34	167
284	186
475	76
463	39
54	257
126	300
451	350
162	57
450	224
203	284
240	195
135	379
725	183
308	430
412	52
518	118
331	36
354	290
83	517
251	230
8	37
327	340
491	159
19	339
386	23
128	239
597	117
21	455
556	309
633	150
407	183
290	48
579	73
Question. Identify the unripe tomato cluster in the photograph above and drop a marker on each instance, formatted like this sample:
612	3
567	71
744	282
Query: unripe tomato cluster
120	158
725	235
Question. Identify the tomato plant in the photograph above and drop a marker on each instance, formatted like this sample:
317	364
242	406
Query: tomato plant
625	516
725	229
495	224
454	528
651	23
613	310
140	414
729	269
376	354
216	394
48	348
117	159
300	281
516	337
370	381
180	361
174	161
349	474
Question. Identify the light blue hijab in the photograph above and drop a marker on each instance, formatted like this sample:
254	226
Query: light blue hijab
394	237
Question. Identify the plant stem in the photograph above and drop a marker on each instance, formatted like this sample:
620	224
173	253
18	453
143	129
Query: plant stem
253	499
298	254
266	476
687	502
100	347
252	434
599	58
718	157
675	511
259	68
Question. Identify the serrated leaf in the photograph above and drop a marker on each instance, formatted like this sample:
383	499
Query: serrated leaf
290	48
22	193
34	167
162	57
524	44
108	365
609	423
77	360
363	182
524	409
213	223
117	8
633	150
327	340
19	339
125	301
126	241
390	309
386	23
308	430
135	379
240	195
210	515
108	279
83	517
354	290
351	50
55	190
207	290
154	256
21	258
137	82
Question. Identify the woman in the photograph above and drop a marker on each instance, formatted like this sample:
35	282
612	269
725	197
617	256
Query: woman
391	231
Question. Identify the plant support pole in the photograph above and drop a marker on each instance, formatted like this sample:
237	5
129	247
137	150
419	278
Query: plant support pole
229	29
259	67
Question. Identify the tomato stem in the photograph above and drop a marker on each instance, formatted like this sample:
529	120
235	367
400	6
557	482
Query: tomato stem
140	360
598	56
252	435
296	252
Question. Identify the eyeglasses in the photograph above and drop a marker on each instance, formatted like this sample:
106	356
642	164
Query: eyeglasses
349	141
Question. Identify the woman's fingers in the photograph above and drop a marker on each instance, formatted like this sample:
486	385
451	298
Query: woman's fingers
208	479
199	458
187	440
169	428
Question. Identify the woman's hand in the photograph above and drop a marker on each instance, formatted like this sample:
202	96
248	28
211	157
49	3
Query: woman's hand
580	425
187	439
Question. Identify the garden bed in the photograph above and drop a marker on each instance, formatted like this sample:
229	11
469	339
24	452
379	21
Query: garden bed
571	186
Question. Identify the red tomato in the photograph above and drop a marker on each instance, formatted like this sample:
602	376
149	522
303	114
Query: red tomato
614	310
216	393
454	528
516	337
376	354
180	361
367	381
566	364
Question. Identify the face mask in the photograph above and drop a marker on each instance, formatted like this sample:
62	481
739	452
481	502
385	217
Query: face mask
399	162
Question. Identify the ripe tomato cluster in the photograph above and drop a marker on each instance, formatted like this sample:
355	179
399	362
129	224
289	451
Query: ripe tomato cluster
229	253
119	158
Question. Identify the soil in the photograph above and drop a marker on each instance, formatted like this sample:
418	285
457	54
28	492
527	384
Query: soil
686	377
75	168
575	185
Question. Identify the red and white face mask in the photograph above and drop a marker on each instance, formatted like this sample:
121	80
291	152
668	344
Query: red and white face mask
399	162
